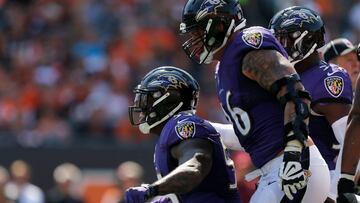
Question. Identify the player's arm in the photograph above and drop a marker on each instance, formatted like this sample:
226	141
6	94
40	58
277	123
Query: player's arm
228	136
337	115
352	138
194	158
351	149
275	73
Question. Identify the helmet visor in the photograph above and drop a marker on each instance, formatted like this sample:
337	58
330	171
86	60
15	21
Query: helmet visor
137	112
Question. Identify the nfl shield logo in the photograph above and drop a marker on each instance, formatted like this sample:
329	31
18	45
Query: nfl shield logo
253	38
334	85
185	129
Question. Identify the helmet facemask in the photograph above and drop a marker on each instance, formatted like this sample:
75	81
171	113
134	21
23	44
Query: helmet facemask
194	45
206	39
299	30
300	44
212	21
163	92
148	110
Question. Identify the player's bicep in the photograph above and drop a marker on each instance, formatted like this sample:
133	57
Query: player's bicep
198	150
266	67
332	111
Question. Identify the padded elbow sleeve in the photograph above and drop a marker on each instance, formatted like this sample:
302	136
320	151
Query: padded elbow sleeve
296	129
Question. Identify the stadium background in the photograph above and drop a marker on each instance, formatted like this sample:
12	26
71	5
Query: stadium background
67	69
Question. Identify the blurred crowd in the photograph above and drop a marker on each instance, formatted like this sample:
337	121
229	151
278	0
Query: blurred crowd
69	186
16	186
67	68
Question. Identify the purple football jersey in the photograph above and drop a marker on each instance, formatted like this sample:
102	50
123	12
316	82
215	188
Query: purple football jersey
220	184
326	83
257	117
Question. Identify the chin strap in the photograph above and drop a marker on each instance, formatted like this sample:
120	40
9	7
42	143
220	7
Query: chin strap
293	62
145	127
240	26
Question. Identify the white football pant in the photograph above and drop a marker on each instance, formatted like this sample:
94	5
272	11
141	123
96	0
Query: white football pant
317	188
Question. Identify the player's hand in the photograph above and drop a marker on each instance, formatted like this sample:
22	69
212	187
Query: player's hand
292	176
137	194
346	191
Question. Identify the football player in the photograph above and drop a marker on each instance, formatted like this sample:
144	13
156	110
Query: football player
189	158
262	95
301	32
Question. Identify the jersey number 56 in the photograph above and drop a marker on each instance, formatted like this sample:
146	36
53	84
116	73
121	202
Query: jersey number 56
237	116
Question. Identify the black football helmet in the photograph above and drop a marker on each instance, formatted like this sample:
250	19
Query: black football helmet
300	30
207	25
162	93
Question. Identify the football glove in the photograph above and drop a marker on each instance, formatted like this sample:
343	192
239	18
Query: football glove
140	194
346	191
292	176
161	200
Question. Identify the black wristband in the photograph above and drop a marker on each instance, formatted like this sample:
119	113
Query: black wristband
300	132
346	186
292	156
153	190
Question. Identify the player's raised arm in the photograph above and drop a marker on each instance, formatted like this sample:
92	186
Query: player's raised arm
274	73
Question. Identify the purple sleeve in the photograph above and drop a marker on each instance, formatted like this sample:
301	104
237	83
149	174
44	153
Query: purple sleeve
257	38
190	129
333	88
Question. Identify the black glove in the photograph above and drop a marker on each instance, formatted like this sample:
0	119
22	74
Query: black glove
346	191
358	52
140	194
